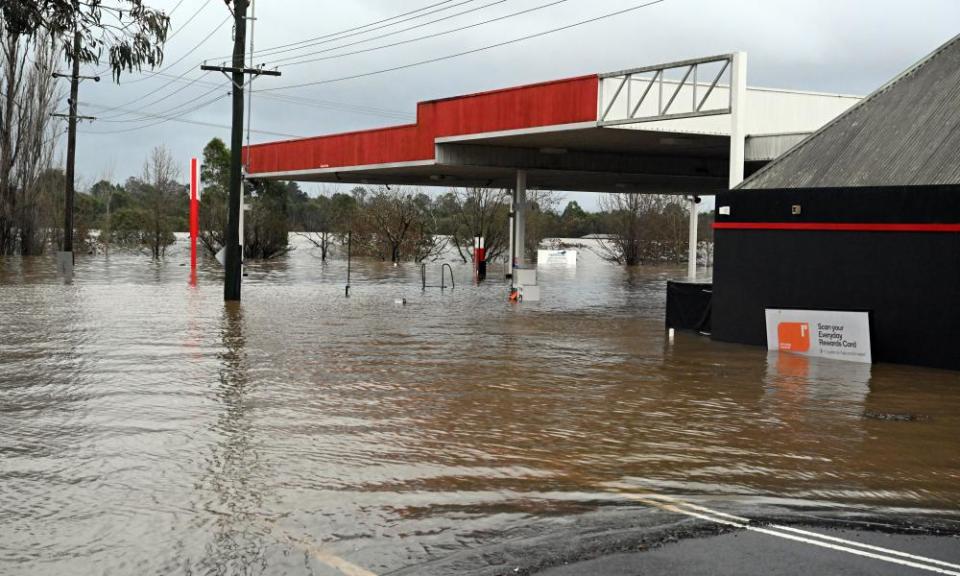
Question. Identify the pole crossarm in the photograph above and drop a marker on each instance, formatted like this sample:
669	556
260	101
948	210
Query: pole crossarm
632	98
59	115
78	77
231	71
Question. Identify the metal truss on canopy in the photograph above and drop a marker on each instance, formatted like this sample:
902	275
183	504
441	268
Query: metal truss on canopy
667	91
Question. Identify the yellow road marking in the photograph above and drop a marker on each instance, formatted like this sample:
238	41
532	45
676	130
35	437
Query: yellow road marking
320	554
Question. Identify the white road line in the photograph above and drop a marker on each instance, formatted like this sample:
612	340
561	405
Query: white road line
717	519
808	533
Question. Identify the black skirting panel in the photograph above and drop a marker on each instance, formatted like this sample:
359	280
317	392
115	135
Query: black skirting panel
689	306
908	281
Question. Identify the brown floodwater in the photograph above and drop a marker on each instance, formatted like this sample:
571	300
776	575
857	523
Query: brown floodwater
145	428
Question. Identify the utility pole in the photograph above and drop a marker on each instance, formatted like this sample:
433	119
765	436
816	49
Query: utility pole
65	259
237	74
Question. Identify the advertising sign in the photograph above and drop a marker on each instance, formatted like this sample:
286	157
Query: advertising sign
557	258
823	333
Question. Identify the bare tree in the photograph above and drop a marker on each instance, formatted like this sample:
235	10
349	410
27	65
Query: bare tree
541	211
644	228
399	225
326	220
150	221
629	219
480	212
160	172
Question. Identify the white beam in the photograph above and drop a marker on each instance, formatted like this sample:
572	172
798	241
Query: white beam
738	104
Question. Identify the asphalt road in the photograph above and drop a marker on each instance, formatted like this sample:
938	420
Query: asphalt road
671	536
746	553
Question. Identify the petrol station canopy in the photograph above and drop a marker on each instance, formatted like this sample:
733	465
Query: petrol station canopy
669	128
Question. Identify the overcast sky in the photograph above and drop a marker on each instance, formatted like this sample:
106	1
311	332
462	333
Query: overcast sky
846	46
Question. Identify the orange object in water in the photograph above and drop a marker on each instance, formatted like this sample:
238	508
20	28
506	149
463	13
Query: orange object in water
514	295
794	336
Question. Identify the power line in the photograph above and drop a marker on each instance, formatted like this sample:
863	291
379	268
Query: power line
192	50
177	118
174	9
188	20
465	52
172	34
306	102
327	39
394	33
162	72
419	38
168	111
164	119
355	28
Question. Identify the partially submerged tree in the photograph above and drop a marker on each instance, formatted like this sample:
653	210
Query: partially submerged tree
643	228
397	225
266	224
478	212
130	33
215	176
542	219
150	223
326	220
266	229
28	135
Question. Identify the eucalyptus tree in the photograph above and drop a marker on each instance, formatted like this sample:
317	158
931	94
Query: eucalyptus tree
128	34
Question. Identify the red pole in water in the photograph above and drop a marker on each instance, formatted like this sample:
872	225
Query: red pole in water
194	219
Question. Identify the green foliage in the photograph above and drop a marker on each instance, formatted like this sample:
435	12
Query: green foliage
157	206
215	178
267	231
130	32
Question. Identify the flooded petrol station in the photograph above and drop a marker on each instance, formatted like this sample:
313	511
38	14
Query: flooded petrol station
149	429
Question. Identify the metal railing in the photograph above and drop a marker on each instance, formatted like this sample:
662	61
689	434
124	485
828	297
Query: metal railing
443	277
659	97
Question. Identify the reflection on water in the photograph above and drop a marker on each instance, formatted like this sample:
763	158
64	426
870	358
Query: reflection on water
147	428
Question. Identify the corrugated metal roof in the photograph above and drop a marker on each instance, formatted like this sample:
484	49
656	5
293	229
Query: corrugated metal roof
905	133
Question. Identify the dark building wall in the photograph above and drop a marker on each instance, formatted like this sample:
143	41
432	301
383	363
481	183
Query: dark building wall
908	280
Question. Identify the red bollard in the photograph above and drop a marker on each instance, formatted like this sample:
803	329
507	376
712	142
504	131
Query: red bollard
479	258
194	219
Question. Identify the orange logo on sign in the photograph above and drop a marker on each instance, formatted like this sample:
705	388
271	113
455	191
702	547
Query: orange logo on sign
794	336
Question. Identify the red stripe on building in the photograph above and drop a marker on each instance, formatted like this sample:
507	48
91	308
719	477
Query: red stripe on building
554	103
837	226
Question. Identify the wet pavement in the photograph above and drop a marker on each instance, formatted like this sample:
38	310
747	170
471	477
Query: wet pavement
739	554
149	429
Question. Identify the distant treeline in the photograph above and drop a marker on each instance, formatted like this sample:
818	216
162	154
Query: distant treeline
388	223
395	224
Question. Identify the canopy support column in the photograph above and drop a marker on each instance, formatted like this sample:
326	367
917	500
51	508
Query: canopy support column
692	254
512	248
520	219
